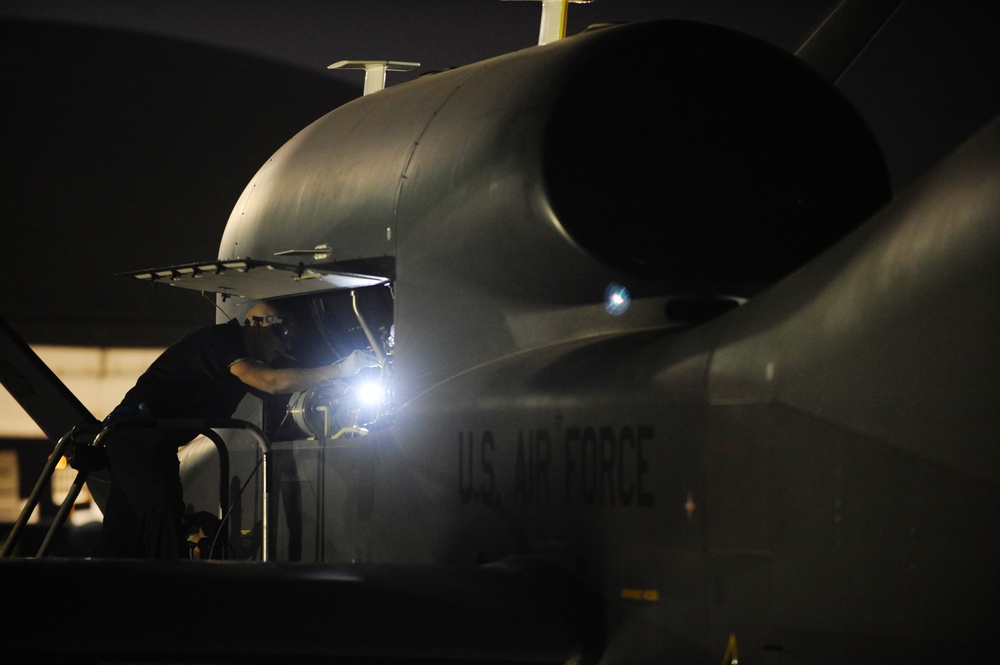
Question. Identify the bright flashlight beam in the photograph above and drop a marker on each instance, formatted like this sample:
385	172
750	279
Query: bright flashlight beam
370	393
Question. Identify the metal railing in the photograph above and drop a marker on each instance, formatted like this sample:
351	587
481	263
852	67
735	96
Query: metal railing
88	452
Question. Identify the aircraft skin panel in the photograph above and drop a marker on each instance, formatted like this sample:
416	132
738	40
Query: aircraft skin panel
891	298
332	183
256	280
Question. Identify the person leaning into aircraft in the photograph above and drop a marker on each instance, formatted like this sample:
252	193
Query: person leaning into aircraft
204	375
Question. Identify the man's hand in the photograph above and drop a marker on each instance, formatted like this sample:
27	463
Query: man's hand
357	361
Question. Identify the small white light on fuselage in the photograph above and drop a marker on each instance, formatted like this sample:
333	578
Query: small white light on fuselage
616	299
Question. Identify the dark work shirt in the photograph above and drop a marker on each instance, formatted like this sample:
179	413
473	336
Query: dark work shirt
192	379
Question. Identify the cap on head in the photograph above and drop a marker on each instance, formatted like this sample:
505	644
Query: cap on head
262	314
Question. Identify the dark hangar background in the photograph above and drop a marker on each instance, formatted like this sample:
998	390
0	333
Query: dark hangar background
130	129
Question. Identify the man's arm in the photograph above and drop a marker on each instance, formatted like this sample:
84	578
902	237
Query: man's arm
282	380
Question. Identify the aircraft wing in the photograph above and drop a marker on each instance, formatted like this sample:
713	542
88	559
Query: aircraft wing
253	612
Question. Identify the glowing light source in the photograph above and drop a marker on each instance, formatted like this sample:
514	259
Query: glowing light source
370	393
616	299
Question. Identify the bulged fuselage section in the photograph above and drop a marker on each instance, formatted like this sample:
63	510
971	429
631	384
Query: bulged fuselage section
670	157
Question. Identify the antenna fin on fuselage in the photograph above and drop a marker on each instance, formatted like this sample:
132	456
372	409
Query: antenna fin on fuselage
553	24
376	82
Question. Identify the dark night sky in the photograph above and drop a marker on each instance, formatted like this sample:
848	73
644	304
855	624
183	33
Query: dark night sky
130	129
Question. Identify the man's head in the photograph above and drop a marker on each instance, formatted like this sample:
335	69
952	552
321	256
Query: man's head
262	313
268	331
